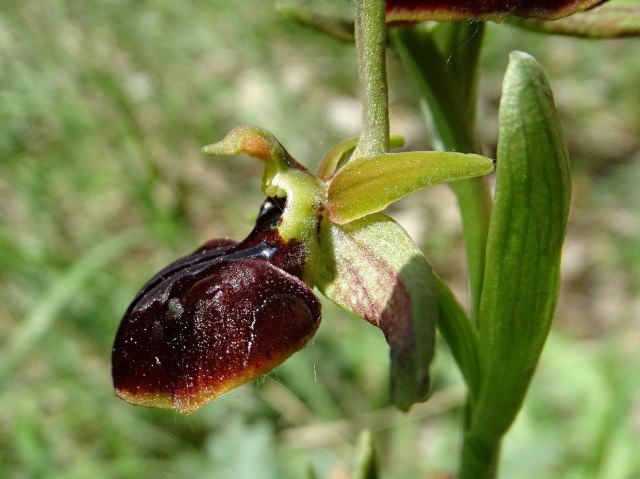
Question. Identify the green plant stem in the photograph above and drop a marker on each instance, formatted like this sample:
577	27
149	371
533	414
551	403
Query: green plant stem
479	460
370	30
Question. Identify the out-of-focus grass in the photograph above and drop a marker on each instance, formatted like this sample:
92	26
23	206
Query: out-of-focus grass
104	106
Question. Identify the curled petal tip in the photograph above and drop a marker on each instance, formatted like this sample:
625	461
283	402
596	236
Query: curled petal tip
282	174
251	140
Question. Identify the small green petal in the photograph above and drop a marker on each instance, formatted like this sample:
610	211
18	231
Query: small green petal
340	151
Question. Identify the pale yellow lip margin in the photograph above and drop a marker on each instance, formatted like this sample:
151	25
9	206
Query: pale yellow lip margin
187	405
190	403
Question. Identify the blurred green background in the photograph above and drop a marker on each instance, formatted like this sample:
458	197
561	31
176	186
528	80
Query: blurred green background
104	106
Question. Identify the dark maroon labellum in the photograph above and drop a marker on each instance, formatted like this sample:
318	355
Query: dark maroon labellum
215	319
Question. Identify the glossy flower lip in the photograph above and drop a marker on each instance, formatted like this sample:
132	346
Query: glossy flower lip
213	320
495	10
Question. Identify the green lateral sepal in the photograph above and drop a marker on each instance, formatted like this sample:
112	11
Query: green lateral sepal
368	185
372	268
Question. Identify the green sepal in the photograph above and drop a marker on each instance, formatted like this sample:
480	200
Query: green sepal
372	268
526	234
368	185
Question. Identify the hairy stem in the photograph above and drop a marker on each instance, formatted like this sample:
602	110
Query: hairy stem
370	29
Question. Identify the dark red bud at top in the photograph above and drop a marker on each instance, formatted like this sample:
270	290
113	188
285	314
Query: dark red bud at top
496	10
215	319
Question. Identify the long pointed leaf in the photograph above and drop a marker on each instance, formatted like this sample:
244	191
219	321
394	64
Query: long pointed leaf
427	68
366	467
526	234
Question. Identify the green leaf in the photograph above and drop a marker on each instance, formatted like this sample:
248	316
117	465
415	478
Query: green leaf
614	19
526	234
372	268
461	44
393	176
461	336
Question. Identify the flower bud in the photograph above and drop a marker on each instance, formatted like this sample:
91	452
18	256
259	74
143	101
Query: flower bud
496	10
